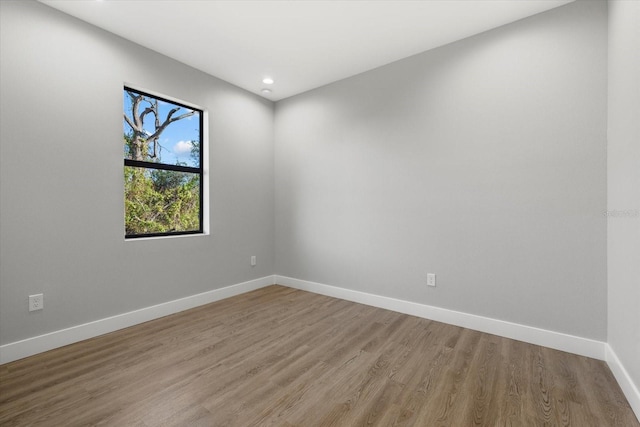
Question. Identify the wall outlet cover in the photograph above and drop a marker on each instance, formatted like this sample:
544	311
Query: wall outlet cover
431	279
36	302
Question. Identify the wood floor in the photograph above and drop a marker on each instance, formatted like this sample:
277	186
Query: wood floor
283	357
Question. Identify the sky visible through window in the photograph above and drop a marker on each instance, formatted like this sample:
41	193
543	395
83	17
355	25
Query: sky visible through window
175	140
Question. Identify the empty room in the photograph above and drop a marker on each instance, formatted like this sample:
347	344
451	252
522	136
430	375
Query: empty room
320	213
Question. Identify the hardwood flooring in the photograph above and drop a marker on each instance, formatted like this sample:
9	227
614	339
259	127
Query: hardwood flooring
283	357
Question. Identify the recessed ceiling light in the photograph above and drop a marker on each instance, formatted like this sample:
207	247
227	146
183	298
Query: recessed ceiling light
266	91
267	81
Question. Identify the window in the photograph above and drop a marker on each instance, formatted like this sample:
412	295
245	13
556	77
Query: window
163	176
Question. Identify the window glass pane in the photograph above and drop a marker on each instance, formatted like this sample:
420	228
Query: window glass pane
160	131
161	201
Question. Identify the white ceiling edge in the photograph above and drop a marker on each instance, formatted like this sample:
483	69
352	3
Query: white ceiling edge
301	44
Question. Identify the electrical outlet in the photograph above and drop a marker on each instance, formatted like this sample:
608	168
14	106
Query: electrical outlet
431	279
253	261
36	302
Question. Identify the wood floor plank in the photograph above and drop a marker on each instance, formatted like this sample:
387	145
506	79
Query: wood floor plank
283	357
512	392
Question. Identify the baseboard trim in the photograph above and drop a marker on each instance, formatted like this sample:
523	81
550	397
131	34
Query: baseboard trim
30	346
556	340
627	385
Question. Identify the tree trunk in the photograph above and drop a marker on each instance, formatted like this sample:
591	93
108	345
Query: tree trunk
139	151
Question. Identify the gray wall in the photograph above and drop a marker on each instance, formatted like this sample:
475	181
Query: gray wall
61	179
624	185
483	161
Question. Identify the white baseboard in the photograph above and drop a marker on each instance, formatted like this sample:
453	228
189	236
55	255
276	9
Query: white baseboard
556	340
627	385
30	346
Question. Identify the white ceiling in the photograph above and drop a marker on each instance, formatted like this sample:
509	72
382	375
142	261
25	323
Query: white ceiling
300	44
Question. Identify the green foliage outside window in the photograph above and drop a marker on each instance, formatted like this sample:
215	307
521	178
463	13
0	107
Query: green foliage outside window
161	201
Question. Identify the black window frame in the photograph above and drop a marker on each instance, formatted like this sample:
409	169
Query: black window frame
176	168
